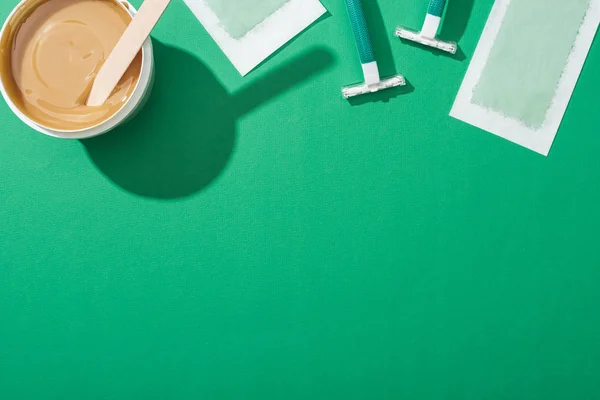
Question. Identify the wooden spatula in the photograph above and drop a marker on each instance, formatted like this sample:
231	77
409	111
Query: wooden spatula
125	50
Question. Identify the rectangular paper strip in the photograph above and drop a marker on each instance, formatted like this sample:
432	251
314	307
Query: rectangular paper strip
249	31
525	68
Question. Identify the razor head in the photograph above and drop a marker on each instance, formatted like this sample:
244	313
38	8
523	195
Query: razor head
403	33
357	90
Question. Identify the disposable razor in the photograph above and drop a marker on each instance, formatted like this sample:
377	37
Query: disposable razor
373	82
428	35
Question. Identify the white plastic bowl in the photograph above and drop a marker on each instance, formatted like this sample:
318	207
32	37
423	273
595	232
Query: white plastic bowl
131	107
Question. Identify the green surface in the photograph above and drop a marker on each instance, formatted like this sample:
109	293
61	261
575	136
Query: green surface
239	17
240	240
520	80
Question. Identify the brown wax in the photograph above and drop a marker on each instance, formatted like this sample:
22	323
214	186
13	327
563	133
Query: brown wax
51	54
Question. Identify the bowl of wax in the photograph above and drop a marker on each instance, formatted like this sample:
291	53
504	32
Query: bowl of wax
50	53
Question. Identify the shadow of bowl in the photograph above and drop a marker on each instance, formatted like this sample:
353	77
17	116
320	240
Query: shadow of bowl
182	139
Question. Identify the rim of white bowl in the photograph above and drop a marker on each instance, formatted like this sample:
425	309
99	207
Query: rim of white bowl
138	94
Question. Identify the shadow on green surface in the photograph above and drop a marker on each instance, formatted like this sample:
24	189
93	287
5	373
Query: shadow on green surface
454	26
456	19
185	135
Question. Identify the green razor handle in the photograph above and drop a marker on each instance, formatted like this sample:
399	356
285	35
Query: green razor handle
361	31
436	8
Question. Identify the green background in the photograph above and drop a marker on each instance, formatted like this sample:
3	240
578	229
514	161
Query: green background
260	237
